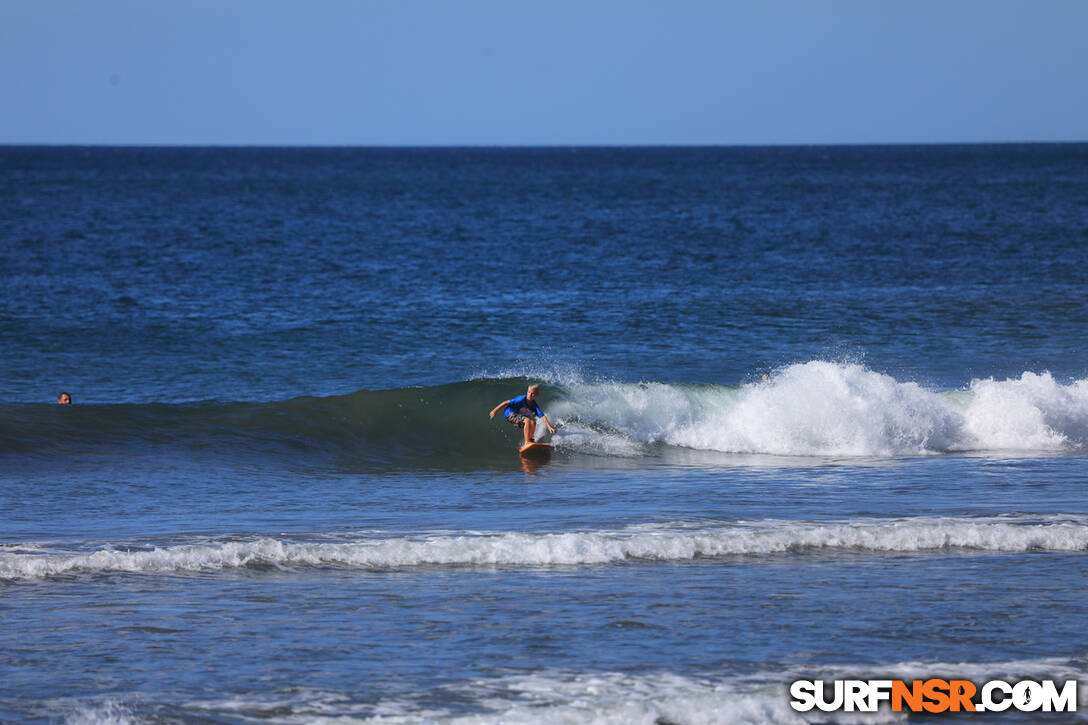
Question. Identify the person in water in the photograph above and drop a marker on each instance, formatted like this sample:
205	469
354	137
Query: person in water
64	399
520	411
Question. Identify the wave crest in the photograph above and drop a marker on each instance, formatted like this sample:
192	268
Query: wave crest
816	408
652	542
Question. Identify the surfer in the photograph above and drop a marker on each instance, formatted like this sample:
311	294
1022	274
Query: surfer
64	399
520	411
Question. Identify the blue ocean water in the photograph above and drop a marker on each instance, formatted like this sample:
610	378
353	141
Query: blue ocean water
278	497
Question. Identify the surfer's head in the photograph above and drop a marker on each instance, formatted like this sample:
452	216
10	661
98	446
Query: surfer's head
64	399
532	391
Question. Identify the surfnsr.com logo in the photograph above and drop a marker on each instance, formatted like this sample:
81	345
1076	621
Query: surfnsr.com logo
933	695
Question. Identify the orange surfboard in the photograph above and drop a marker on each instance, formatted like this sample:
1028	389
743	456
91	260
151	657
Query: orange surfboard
536	450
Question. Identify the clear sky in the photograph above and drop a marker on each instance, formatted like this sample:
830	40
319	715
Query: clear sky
506	72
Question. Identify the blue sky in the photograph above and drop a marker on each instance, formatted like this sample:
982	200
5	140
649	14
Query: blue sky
445	72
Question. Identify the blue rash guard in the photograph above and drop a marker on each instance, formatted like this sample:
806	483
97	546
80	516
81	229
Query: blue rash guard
522	406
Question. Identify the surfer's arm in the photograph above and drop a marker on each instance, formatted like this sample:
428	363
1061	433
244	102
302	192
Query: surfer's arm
498	407
551	428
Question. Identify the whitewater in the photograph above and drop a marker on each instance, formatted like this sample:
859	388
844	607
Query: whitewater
651	542
611	698
823	408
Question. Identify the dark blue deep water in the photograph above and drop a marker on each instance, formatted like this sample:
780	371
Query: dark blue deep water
278	497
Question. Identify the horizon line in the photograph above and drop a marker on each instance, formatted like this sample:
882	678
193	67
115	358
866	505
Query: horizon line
541	146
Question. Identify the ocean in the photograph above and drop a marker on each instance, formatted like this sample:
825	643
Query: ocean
278	497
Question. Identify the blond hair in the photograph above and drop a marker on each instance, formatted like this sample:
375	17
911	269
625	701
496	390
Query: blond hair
535	386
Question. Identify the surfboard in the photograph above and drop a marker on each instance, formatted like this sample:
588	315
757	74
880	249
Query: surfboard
536	450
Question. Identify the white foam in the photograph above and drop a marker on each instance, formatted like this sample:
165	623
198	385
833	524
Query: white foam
831	409
756	699
586	440
1032	412
610	698
678	541
106	713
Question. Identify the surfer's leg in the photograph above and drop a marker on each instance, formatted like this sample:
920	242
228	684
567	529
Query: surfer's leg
530	428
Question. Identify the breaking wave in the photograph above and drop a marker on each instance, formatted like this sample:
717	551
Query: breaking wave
810	409
831	409
649	542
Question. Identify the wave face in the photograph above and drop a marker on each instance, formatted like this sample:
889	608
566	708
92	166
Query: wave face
444	425
653	542
817	408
